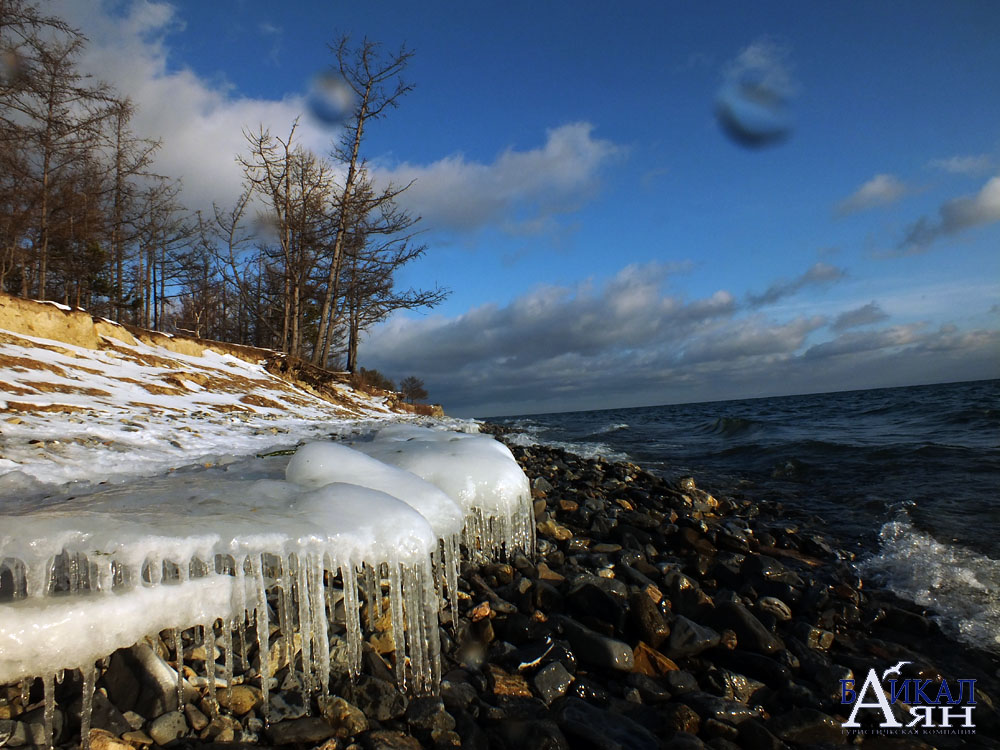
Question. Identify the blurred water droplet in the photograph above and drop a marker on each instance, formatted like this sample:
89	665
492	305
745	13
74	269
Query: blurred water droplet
752	114
12	67
265	229
330	99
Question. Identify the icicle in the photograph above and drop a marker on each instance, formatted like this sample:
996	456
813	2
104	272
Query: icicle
179	651
372	594
414	599
240	611
263	632
49	713
452	559
432	638
227	634
285	621
351	616
321	638
208	641
396	614
73	573
26	691
87	706
305	626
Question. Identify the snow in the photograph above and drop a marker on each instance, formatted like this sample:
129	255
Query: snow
163	497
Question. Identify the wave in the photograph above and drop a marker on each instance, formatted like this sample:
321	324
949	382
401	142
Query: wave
959	584
613	427
728	426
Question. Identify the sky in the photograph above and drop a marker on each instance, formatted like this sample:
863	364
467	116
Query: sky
635	203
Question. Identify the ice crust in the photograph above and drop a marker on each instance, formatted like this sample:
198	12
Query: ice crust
251	541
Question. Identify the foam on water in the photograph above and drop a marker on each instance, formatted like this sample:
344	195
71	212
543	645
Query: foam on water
961	586
187	549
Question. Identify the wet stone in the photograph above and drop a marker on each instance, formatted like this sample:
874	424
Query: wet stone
688	638
427	713
308	729
168	727
807	726
680	717
708	705
680	682
346	719
648	620
595	726
775	608
751	633
378	699
552	681
596	649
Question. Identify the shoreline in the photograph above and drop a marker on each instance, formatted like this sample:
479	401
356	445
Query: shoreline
654	615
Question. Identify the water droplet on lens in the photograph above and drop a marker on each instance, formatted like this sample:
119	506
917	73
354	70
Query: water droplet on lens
330	99
265	229
753	114
12	67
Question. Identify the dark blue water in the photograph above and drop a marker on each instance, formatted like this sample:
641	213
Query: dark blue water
909	478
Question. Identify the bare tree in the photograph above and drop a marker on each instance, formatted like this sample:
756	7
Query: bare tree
412	389
377	83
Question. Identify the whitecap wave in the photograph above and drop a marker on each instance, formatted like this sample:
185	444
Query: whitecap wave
962	586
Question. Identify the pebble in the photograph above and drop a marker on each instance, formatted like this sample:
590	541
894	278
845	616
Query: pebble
654	616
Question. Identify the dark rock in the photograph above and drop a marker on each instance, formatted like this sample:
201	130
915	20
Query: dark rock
589	690
648	620
596	649
688	638
775	608
456	694
752	635
378	699
707	705
650	690
601	728
680	717
531	735
755	736
679	682
807	726
762	567
427	713
720	730
813	637
552	681
386	739
473	736
684	741
172	726
766	669
121	681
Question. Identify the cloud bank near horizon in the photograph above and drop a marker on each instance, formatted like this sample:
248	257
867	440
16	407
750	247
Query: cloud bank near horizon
627	342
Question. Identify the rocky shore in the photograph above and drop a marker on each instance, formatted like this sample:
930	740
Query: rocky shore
654	616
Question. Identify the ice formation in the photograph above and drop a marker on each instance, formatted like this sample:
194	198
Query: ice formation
231	548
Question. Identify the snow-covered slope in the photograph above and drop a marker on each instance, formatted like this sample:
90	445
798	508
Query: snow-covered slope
146	486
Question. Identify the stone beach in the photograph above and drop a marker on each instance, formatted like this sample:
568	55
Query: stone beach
654	615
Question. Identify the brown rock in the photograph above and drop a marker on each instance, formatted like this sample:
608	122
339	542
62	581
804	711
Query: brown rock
102	739
651	662
568	505
503	683
242	699
547	574
553	530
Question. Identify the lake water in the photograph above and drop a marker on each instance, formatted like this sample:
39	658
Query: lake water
908	478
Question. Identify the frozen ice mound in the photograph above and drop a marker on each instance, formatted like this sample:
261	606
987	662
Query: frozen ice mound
228	550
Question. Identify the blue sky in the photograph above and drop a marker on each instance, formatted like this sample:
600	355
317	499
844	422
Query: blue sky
606	243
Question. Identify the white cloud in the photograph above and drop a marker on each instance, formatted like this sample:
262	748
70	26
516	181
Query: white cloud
955	216
520	191
199	121
970	165
818	274
859	316
625	341
880	190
